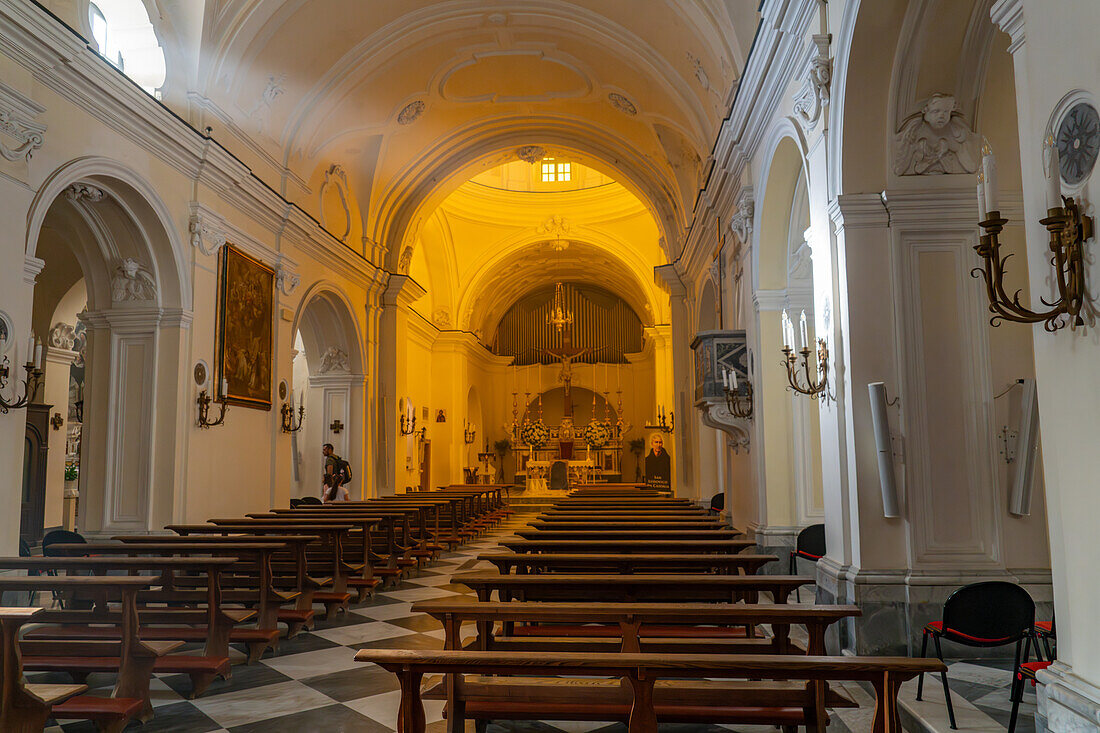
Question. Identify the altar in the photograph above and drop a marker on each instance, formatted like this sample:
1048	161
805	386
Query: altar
538	475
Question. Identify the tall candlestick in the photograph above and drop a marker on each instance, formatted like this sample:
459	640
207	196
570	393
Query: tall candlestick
989	170
802	330
1054	176
783	327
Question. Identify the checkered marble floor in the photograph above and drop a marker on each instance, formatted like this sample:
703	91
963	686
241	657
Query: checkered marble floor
313	684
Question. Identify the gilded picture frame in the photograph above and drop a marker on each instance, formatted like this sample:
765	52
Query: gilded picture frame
246	306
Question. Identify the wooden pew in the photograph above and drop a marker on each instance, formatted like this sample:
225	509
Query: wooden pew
212	626
329	570
626	563
799	694
297	619
631	519
131	658
709	524
624	546
630	534
25	708
633	625
632	588
261	595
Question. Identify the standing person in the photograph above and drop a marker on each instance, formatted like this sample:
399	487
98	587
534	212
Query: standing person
336	467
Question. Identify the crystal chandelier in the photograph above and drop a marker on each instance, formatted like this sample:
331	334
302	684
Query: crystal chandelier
559	316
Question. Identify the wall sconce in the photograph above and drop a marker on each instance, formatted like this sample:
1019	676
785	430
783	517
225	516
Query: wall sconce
287	413
469	432
30	385
738	399
1068	228
816	387
204	407
408	424
665	423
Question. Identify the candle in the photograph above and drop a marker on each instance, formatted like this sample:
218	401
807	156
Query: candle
1054	176
783	327
30	349
725	379
981	197
733	380
225	386
989	170
301	401
802	330
38	353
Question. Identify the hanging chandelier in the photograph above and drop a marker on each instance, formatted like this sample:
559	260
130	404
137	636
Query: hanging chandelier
559	316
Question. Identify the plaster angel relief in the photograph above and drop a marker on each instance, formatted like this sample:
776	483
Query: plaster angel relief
442	317
334	359
17	115
936	140
131	283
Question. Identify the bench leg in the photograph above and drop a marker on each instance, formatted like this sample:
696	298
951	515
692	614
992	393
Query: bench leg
256	650
887	716
643	718
112	726
199	682
410	718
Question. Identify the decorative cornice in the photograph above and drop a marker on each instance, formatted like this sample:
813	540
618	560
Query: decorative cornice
859	211
769	300
402	290
667	277
207	229
1008	15
17	114
31	267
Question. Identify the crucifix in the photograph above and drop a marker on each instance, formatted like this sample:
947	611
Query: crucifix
567	354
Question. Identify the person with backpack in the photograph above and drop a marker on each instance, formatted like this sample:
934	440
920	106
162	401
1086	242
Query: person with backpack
338	469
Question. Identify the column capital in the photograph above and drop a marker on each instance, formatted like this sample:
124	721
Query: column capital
1008	15
402	290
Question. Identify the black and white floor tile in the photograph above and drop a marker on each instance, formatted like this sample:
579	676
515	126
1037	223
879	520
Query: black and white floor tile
313	683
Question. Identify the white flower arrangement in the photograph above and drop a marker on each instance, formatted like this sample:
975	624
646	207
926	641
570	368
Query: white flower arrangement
597	434
534	434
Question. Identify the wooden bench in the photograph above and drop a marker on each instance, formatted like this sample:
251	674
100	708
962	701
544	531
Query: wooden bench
630	534
633	626
25	708
631	519
130	658
677	546
626	563
588	526
636	588
771	689
246	576
256	561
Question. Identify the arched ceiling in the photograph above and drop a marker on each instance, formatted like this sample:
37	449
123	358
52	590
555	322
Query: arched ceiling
382	86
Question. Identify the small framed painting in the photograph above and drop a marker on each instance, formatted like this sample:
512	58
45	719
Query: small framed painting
246	302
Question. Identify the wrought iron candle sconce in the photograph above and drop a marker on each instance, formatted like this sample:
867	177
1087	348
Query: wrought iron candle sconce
666	423
30	385
287	414
1068	229
408	425
739	401
204	401
469	433
816	386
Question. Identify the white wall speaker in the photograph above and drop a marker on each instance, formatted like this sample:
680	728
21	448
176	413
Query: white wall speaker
1027	448
881	421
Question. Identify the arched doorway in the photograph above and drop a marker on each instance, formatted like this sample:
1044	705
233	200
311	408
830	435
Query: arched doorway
328	380
111	311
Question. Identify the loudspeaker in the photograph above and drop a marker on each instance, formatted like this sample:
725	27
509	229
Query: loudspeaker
881	421
1027	447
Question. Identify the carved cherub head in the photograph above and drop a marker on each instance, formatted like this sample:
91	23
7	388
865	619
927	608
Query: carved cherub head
129	267
938	109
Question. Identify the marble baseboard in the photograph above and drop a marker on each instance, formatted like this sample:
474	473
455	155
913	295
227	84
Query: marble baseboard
1067	703
897	605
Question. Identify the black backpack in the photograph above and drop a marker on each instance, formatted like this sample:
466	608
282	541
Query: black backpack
344	468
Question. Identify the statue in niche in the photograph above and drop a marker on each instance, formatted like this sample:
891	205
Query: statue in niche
936	140
334	359
131	283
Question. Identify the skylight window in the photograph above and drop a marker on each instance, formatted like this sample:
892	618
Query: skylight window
555	171
125	37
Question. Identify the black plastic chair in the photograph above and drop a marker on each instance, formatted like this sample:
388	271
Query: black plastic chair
718	503
60	537
310	500
993	613
1029	671
810	545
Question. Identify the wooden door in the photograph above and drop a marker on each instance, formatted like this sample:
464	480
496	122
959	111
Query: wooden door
426	467
32	510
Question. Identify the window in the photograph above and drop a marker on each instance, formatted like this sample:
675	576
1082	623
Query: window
125	37
554	171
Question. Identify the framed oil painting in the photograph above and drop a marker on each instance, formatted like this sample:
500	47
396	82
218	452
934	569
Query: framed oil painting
246	303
